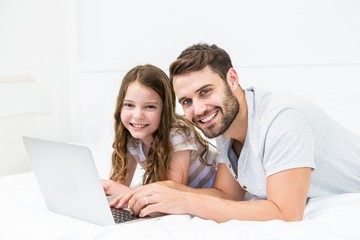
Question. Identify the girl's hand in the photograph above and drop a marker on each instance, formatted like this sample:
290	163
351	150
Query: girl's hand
114	188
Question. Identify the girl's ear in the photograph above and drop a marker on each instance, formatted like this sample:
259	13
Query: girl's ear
232	79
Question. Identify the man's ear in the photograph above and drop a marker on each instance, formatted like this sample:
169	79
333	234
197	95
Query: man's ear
232	79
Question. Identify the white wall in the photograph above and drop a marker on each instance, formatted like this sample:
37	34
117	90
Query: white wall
77	52
34	84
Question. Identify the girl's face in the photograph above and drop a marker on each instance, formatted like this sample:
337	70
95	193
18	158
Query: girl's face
141	112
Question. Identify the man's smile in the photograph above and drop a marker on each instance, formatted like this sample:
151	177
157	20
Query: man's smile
209	117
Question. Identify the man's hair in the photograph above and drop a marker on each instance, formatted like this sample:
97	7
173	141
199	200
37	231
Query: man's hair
197	57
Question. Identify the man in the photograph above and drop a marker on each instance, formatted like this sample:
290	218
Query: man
274	146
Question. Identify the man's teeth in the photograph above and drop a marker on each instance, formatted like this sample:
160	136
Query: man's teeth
205	120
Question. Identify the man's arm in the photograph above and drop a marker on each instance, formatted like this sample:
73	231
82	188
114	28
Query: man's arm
225	186
287	193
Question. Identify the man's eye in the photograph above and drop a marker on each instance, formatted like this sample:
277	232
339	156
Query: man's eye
204	91
186	102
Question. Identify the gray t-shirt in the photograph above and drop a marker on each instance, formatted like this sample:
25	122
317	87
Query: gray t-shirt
285	132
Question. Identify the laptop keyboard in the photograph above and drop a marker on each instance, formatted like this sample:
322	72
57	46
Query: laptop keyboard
121	215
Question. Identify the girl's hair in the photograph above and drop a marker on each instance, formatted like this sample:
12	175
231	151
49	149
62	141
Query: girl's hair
198	56
157	162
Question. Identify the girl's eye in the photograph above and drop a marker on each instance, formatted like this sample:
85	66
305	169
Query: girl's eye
150	107
128	105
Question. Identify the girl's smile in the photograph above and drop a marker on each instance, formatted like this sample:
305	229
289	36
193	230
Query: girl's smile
141	112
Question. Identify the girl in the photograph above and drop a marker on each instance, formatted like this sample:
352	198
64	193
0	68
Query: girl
149	132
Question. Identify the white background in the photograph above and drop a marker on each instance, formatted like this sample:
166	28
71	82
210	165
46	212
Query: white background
62	61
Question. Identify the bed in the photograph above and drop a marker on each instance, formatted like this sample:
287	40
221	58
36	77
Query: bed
23	214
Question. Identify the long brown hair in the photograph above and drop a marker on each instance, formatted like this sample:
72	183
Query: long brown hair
157	162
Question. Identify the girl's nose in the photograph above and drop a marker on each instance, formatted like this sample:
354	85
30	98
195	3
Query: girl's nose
138	113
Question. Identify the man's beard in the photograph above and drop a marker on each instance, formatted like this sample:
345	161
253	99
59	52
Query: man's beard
231	109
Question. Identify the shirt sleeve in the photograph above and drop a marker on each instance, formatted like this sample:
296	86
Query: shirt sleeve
183	141
289	143
222	145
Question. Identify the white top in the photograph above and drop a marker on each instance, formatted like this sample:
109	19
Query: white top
200	175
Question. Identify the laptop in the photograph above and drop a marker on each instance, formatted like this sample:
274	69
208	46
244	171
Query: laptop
70	184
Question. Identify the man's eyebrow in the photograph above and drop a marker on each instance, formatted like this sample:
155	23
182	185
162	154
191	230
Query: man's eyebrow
202	87
198	90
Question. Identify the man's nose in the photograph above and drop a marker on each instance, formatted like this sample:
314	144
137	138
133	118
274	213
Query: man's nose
198	108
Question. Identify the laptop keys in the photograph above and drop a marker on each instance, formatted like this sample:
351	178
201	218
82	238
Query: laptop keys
121	215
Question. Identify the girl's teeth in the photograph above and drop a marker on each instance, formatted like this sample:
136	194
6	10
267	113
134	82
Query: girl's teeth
139	125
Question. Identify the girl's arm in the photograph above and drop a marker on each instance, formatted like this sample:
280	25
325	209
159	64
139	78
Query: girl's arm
179	166
225	186
115	188
178	176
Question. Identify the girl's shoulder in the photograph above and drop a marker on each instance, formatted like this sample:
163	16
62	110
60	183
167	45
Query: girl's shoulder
132	143
181	127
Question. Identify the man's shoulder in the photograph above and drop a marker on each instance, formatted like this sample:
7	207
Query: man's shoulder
266	103
222	142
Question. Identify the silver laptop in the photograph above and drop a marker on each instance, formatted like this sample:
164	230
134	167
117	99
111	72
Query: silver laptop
69	182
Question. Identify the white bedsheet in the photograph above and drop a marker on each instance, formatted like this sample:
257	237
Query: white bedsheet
23	215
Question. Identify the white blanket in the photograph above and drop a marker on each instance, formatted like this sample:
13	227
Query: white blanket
23	215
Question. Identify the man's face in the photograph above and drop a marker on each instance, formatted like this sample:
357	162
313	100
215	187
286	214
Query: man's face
207	101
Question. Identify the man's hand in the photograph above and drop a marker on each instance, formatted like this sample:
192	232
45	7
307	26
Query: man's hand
152	199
